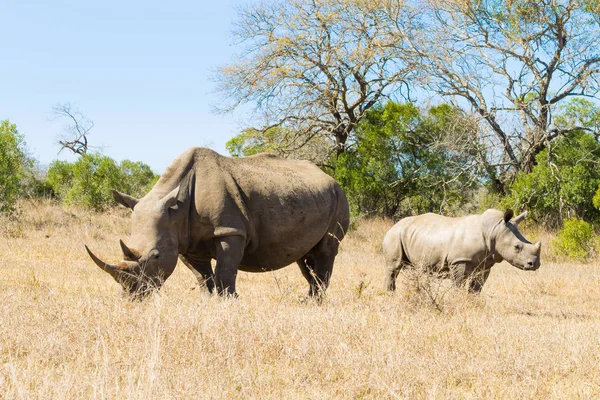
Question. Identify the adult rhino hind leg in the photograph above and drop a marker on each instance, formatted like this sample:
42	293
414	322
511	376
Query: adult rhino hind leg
322	275
202	270
317	264
307	267
317	270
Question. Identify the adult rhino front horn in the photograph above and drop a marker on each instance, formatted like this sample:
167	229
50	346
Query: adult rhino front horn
254	214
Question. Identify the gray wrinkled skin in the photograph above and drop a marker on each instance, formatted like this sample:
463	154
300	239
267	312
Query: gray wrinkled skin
253	214
465	247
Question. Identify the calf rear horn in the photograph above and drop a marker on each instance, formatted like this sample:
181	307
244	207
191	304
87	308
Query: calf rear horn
113	271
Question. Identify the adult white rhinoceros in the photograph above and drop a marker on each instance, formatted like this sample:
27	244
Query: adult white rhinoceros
254	214
466	247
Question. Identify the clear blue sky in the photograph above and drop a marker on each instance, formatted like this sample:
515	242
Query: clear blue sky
139	69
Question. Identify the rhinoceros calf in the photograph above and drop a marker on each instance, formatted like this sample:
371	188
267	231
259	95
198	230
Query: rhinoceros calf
465	247
252	214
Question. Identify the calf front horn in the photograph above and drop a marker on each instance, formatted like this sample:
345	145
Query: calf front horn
113	271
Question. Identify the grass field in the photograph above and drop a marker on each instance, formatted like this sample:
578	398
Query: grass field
66	333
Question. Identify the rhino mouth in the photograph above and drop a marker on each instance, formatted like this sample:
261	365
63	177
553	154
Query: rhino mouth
131	276
533	265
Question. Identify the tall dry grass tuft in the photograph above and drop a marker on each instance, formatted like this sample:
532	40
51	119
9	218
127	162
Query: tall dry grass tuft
67	333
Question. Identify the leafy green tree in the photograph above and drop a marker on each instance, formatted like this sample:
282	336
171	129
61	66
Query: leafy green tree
253	141
13	165
563	188
400	162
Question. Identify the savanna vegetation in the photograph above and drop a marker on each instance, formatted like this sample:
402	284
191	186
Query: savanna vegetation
67	333
412	106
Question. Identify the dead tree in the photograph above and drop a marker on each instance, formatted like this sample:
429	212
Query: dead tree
76	131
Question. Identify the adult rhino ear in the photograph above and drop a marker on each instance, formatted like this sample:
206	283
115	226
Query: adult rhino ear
170	199
123	199
519	218
508	214
181	194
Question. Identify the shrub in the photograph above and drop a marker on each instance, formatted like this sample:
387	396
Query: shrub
138	178
575	239
87	182
13	164
60	178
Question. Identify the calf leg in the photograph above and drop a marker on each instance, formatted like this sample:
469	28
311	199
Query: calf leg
230	251
394	262
459	272
478	280
203	272
393	268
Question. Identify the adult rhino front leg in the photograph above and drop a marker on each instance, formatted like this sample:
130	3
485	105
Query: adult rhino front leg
202	270
230	251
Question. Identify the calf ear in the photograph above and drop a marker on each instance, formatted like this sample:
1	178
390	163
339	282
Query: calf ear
519	218
508	214
123	199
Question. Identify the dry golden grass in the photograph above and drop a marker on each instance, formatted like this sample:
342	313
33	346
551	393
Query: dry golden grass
65	332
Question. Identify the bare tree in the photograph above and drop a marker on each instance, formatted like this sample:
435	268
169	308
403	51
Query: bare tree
512	62
314	67
76	131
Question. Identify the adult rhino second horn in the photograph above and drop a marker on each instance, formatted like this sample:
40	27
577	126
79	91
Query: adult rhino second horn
127	252
113	271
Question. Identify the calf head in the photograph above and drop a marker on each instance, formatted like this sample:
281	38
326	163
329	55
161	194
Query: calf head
511	246
152	253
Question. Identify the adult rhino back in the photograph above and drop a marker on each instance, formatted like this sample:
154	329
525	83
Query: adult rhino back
255	214
467	247
291	207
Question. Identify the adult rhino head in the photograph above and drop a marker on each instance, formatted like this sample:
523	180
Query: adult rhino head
510	245
152	250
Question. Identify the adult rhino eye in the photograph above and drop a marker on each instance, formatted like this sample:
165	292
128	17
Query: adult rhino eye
518	247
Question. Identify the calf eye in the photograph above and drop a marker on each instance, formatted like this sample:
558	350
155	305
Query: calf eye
518	247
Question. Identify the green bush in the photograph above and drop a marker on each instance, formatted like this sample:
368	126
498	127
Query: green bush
138	178
576	239
13	165
87	182
60	178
